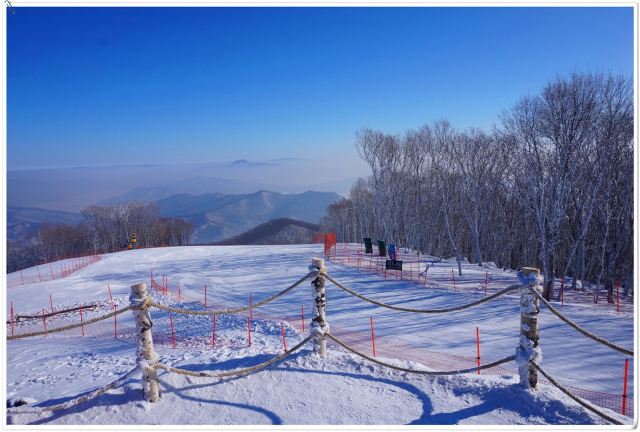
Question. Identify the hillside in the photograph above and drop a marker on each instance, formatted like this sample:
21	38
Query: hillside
276	231
217	216
302	389
195	186
24	222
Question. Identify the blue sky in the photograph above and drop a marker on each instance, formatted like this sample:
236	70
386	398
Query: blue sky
169	85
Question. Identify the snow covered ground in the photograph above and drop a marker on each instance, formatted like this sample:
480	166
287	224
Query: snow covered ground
303	389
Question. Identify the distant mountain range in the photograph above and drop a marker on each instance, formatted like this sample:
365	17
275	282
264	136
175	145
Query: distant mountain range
193	186
24	222
276	231
215	216
74	188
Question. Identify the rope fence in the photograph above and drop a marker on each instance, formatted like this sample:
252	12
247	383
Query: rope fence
580	329
418	267
426	311
233	310
239	372
71	326
526	356
576	398
421	372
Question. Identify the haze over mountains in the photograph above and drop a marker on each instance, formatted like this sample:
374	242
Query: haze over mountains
215	216
220	199
276	231
74	188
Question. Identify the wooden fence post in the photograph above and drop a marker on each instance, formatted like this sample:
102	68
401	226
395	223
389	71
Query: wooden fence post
528	353
319	325
147	357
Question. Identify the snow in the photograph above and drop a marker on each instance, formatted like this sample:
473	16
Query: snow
303	389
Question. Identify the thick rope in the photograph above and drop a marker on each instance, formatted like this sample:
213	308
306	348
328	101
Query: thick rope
428	311
576	398
239	372
76	401
61	311
422	372
580	329
71	326
233	310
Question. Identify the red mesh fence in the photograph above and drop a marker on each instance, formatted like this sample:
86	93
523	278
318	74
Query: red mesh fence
415	268
385	346
50	271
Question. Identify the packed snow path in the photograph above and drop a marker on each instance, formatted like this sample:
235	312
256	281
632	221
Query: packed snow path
63	366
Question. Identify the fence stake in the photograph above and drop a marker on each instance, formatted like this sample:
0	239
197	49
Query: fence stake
284	341
426	269
81	321
478	346
213	333
115	323
146	354
44	323
562	291
205	296
39	278
249	329
51	302
319	326
173	336
21	278
486	284
373	341
51	271
179	292
110	296
12	322
624	391
528	353
250	309
302	318
453	278
617	297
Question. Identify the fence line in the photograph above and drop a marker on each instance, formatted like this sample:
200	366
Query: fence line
234	310
414	265
421	372
320	273
576	398
71	326
239	372
580	329
76	264
428	311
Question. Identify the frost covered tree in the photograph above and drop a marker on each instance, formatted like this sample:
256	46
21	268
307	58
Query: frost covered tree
551	187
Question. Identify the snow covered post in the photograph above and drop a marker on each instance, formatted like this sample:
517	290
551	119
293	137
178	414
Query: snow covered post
146	356
528	353
319	325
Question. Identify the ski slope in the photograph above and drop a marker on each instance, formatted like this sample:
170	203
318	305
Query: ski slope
303	389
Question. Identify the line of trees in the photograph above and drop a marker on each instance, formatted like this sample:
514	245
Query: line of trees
552	186
104	229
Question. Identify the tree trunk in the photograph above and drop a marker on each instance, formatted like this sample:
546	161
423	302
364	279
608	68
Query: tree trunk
549	277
